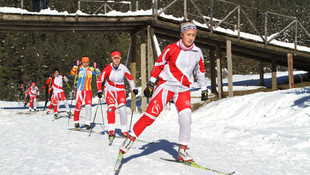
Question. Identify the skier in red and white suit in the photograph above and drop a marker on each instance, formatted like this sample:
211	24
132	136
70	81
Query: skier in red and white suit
33	92
174	69
114	91
58	92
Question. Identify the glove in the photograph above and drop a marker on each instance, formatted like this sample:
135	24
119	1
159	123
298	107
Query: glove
204	95
38	96
148	91
100	94
135	91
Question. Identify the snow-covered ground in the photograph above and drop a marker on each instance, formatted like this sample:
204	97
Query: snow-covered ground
257	134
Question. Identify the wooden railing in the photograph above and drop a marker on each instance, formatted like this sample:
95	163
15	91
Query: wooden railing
104	4
237	12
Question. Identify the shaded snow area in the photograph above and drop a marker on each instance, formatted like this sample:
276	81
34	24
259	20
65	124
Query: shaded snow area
258	134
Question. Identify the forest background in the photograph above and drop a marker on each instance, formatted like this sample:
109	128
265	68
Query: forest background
31	57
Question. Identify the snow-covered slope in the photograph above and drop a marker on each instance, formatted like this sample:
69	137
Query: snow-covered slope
258	134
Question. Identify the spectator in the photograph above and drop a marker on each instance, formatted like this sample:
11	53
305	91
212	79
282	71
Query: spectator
36	5
45	4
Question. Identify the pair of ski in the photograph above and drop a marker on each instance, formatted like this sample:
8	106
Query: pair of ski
58	117
188	163
80	129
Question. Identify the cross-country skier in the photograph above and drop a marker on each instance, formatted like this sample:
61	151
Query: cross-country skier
27	96
174	70
56	80
83	90
33	92
114	91
21	90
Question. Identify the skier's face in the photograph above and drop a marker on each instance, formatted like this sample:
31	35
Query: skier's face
116	60
85	64
56	73
188	37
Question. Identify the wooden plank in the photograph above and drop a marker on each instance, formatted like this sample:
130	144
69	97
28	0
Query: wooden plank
143	68
219	72
133	70
150	58
274	74
229	67
290	70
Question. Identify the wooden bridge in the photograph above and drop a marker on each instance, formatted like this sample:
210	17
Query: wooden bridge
153	23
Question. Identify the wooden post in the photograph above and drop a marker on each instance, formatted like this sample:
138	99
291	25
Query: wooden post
229	67
185	8
143	68
261	73
290	70
150	58
274	73
133	67
22	4
212	72
219	72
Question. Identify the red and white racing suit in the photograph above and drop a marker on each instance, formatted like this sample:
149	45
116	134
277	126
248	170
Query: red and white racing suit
33	92
114	91
174	68
58	92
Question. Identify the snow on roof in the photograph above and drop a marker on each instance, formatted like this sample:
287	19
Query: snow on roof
243	35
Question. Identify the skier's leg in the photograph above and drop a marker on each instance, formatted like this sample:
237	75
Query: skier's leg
110	100
121	100
159	100
88	102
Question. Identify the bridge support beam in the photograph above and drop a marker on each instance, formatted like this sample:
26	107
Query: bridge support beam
219	72
143	68
133	69
274	74
229	67
212	72
290	70
150	58
261	73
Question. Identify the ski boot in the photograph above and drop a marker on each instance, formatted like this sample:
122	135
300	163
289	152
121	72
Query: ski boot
77	126
69	114
88	127
111	137
183	154
55	116
127	144
125	134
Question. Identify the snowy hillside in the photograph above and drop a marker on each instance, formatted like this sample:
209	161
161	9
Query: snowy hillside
257	134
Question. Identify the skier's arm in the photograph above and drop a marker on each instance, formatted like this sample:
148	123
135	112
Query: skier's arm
199	71
159	64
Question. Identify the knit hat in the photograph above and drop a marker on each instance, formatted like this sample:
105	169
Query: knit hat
33	83
187	26
85	59
115	53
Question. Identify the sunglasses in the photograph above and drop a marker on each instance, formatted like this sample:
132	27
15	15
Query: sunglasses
116	58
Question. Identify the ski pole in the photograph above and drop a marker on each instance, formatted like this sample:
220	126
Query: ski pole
94	116
102	114
131	120
110	109
74	86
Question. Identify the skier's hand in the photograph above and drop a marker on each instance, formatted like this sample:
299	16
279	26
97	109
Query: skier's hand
100	94
135	91
38	96
204	95
148	91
